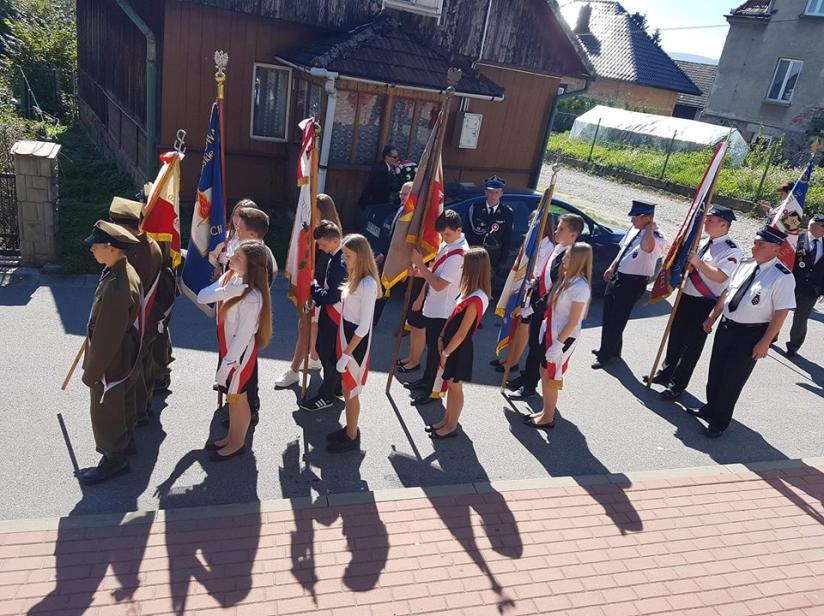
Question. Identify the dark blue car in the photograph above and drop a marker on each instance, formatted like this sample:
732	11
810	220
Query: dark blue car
379	221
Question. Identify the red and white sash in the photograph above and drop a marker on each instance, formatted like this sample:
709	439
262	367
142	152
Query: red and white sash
354	377
242	372
481	302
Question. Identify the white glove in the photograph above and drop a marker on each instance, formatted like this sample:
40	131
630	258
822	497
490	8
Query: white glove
235	287
343	362
160	327
527	311
555	353
222	374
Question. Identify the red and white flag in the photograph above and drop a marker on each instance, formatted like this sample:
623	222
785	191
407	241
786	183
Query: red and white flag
299	270
789	215
161	215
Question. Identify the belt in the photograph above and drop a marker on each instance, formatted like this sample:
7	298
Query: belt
631	276
745	325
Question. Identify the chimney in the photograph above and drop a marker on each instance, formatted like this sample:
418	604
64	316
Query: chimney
582	24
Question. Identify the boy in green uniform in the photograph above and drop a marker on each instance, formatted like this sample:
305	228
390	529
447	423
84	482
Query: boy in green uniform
112	348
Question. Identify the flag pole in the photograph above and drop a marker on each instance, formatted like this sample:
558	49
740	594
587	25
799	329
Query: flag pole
696	240
546	203
453	77
313	198
221	61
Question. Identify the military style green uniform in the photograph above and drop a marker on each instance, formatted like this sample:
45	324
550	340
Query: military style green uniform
145	257
112	344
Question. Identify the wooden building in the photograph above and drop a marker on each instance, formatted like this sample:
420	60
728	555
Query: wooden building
375	69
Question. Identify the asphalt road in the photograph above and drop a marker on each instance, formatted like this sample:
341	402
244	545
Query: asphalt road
608	421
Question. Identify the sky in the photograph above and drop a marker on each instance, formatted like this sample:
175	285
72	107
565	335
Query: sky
667	14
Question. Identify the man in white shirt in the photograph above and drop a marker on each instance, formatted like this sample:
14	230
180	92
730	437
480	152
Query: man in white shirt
442	288
809	280
627	278
716	259
759	298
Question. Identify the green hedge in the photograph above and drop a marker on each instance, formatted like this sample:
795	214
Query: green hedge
687	168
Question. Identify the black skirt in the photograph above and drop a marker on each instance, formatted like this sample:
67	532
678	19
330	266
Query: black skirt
360	351
415	318
458	366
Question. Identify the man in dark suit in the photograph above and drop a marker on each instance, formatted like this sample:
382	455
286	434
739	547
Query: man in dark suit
379	187
809	280
491	224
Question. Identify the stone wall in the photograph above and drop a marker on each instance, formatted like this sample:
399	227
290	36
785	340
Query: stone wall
35	168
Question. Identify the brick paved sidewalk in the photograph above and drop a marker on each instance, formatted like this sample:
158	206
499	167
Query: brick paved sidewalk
722	540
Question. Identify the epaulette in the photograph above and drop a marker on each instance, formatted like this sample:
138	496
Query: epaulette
782	268
731	244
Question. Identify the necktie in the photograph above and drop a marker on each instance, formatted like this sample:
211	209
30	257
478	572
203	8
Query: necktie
556	265
739	294
705	248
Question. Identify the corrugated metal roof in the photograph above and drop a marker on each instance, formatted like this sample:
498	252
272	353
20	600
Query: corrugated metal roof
385	52
703	76
620	49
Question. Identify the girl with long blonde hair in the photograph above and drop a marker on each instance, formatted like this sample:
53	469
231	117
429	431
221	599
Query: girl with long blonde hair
244	327
561	329
455	342
358	296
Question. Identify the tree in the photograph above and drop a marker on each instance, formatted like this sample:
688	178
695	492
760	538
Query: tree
641	20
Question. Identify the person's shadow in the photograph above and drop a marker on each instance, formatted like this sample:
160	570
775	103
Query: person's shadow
220	553
456	456
82	590
567	444
366	536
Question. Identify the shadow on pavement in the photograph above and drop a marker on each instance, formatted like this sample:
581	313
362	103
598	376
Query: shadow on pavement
220	553
564	443
456	457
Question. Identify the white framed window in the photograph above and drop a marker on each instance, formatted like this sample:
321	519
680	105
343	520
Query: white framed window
431	8
784	80
815	7
270	102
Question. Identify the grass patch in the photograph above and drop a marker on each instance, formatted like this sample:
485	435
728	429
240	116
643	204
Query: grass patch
687	169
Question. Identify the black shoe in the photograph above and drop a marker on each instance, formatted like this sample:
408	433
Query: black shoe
522	393
673	393
421	400
699	413
529	421
107	468
142	422
713	432
595	351
656	380
336	435
345	444
252	422
599	363
404	369
318	403
514	384
419	384
791	352
430	428
216	457
131	448
210	446
495	362
436	437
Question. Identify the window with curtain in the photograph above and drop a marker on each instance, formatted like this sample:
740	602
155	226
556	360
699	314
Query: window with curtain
270	102
784	80
308	96
357	128
410	126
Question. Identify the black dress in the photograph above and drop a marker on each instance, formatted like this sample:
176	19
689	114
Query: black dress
458	366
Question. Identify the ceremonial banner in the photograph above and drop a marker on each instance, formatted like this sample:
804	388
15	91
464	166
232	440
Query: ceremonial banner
208	219
299	263
512	296
411	222
789	215
161	215
675	263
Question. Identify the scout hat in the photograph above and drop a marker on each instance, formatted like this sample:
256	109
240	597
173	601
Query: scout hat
125	210
494	183
771	235
722	212
641	208
105	232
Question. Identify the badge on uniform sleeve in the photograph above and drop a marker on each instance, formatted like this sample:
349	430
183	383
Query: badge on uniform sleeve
756	299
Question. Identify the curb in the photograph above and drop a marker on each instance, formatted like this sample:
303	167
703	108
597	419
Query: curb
398	494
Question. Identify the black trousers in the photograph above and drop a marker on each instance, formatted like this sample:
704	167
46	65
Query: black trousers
252	390
803	308
621	294
730	366
686	341
433	330
326	346
531	374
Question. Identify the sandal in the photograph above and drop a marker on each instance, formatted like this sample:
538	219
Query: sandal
531	423
431	428
403	368
435	436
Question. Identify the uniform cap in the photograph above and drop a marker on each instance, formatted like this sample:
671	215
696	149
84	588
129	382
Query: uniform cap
494	183
722	212
771	235
819	218
105	232
641	208
125	210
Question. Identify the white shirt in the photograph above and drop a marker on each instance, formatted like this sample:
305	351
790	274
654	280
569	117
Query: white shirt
440	304
577	291
359	306
636	261
492	208
545	250
723	254
773	288
242	319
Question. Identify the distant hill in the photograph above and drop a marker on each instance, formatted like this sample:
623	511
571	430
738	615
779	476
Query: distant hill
689	57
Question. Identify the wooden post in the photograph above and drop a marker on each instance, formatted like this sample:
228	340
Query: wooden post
221	61
594	139
453	76
73	367
669	152
546	203
314	157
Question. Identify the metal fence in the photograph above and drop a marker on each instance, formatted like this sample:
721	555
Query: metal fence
9	232
48	95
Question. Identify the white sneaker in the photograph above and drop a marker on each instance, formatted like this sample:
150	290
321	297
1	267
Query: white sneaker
287	379
314	364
